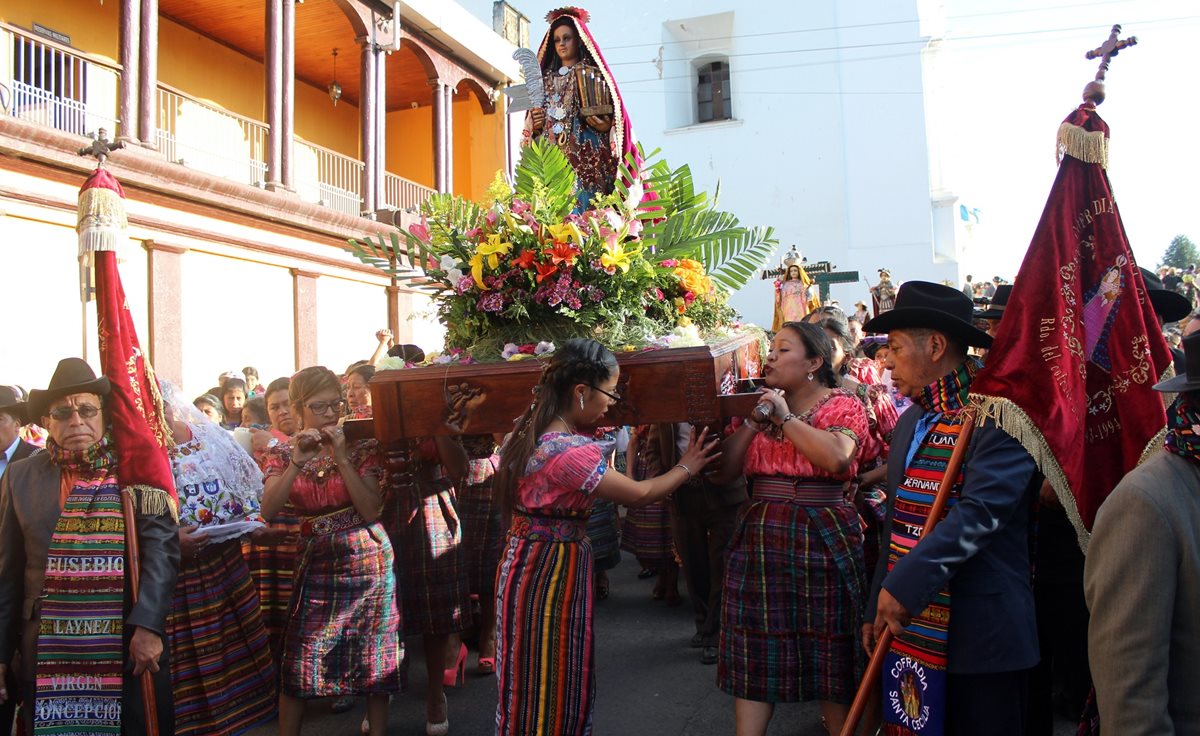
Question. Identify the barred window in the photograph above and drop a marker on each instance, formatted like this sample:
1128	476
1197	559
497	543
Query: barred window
713	98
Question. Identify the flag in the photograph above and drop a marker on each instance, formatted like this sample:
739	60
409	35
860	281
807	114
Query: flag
135	409
1070	372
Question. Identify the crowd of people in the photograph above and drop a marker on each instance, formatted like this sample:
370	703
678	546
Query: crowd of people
300	561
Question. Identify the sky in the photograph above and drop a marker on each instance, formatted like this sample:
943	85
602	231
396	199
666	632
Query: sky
1013	69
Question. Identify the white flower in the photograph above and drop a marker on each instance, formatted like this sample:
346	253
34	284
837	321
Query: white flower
510	349
390	364
447	263
544	348
454	275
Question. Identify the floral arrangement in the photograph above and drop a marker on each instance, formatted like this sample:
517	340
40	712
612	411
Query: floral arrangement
529	269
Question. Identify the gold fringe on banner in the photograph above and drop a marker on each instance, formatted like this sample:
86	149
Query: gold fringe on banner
1153	446
102	222
1087	146
1014	422
153	501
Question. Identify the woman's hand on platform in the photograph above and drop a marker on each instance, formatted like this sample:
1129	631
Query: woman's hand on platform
144	649
191	540
600	123
539	119
702	450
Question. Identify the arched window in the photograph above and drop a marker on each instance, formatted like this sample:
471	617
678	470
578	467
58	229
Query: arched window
713	98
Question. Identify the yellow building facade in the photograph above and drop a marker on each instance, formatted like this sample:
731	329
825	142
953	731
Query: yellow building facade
258	136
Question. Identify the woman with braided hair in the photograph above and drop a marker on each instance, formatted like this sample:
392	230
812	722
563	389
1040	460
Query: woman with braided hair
548	476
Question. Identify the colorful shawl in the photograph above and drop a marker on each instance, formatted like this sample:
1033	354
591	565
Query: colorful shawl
914	672
1183	430
80	654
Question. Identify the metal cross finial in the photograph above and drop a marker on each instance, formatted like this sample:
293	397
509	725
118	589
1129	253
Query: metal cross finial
101	146
1094	92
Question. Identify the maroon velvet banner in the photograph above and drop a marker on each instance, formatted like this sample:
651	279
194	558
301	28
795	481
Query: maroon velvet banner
1079	347
135	405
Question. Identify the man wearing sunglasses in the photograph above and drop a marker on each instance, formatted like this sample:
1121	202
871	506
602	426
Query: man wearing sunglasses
64	593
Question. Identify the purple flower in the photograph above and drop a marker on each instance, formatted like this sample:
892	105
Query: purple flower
561	289
492	301
595	294
464	284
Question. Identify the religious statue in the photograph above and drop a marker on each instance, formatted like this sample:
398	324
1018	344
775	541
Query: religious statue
584	114
883	294
795	293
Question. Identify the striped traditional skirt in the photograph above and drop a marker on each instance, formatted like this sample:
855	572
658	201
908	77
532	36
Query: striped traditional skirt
343	634
795	588
431	566
647	534
273	569
604	534
544	646
482	529
222	673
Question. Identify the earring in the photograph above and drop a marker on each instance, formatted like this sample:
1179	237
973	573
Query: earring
580	401
810	376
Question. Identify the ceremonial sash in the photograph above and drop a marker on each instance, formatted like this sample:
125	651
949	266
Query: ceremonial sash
80	652
914	670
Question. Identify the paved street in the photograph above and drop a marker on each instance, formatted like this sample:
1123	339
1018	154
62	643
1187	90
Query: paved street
650	682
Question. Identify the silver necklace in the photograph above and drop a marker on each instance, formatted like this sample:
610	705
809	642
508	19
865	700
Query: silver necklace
565	423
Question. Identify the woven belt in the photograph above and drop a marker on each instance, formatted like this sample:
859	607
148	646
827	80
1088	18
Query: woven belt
545	528
480	470
335	521
797	491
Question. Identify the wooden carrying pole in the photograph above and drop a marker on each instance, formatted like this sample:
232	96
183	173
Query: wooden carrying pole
135	579
875	667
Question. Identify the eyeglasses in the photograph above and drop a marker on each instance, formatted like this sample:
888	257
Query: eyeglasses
614	397
323	407
63	413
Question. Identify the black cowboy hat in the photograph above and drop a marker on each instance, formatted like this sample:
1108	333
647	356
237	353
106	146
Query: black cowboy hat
1168	305
10	403
1189	381
935	306
407	352
72	376
995	308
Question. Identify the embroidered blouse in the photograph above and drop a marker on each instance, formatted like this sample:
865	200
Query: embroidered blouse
216	480
562	473
839	411
319	488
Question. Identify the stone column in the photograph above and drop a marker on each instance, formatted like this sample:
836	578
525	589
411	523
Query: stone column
273	63
127	94
449	123
369	122
380	127
393	309
165	269
304	316
287	126
148	75
439	134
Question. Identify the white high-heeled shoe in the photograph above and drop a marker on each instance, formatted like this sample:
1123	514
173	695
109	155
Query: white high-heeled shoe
439	729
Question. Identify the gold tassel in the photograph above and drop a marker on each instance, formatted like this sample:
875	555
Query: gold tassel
1087	146
153	501
1014	422
102	222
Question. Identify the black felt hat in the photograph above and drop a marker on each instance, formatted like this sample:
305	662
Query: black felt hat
1170	306
934	306
72	376
1189	381
995	308
10	403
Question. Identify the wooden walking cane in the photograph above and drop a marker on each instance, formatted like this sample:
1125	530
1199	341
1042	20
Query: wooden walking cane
135	579
875	667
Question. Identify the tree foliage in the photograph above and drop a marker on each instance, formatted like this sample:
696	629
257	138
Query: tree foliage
1181	253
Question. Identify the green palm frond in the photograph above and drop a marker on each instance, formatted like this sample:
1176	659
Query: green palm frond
546	181
733	261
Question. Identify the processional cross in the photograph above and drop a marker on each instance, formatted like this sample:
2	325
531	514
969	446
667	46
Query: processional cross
100	147
1094	92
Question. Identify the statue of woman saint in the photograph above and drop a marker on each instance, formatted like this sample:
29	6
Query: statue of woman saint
883	293
794	297
594	144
